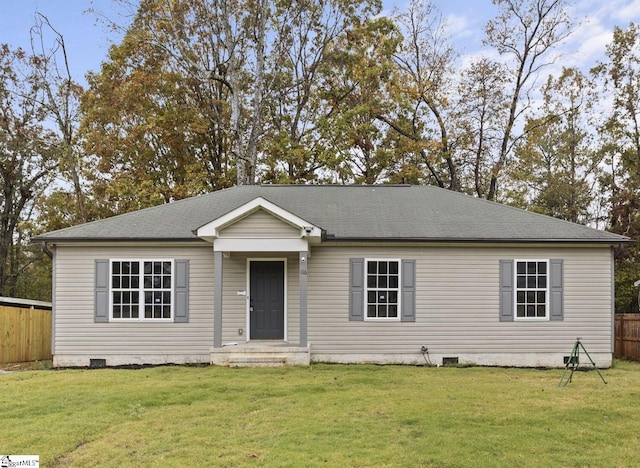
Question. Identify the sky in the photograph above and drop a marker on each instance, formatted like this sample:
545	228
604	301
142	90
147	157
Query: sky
87	39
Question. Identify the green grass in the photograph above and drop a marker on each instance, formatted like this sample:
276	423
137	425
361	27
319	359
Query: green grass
325	415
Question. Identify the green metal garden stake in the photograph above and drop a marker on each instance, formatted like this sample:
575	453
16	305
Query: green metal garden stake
574	361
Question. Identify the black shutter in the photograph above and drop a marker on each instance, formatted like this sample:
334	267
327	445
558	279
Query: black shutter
101	288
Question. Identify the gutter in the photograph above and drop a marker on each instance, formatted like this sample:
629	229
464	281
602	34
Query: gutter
612	242
46	250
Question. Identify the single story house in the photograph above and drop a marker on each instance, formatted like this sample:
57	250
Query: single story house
259	275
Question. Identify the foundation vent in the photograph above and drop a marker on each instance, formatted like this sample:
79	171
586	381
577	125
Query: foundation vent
97	363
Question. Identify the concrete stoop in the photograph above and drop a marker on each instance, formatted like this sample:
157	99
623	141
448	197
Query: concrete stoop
260	356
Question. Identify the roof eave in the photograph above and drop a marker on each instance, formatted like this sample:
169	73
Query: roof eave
58	240
476	240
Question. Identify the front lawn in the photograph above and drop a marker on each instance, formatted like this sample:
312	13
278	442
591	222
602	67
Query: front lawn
327	415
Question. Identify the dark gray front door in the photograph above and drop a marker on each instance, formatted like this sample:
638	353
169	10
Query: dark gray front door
266	305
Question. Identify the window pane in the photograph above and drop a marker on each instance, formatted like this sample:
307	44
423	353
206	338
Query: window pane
166	282
134	311
166	312
393	268
531	296
125	282
393	311
382	311
521	268
166	297
382	297
520	297
371	268
541	311
393	297
126	268
522	282
157	282
382	281
148	282
147	268
116	282
371	281
126	311
393	281
531	282
148	297
135	268
541	297
542	282
531	268
520	311
371	297
382	268
116	312
531	311
147	311
371	311
135	297
542	268
166	268
135	282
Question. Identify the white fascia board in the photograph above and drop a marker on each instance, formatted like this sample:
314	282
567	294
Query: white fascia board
211	230
260	245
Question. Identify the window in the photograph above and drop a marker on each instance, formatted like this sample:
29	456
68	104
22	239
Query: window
382	289
141	289
532	289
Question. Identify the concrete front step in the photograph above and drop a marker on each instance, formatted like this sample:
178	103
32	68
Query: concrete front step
260	356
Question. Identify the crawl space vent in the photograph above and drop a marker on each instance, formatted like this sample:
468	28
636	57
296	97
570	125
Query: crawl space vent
95	363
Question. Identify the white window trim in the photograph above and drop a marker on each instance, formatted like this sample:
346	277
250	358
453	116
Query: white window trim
516	289
141	289
366	290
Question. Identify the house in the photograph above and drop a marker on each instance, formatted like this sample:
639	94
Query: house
258	275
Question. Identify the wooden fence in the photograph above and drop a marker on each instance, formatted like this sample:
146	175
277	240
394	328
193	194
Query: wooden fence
627	336
25	334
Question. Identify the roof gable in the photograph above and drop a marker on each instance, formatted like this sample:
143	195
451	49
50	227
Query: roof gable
259	224
212	230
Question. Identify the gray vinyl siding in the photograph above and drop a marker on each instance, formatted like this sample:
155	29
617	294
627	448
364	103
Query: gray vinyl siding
77	334
457	303
260	225
234	309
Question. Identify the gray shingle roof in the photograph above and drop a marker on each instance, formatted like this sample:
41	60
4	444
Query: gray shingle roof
381	212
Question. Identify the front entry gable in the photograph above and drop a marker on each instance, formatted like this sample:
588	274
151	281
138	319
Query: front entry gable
260	224
277	229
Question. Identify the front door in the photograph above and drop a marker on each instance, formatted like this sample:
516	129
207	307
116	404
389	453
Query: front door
266	300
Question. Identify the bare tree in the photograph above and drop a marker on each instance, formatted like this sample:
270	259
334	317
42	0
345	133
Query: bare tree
524	33
61	97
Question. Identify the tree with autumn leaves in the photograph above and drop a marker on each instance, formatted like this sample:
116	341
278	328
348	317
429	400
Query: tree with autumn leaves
201	95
